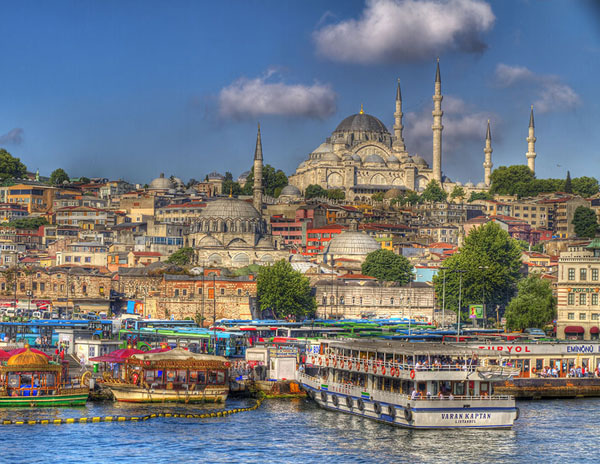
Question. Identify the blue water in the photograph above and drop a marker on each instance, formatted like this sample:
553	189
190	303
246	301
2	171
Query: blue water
297	431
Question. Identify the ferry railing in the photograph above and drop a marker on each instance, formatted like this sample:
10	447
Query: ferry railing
384	367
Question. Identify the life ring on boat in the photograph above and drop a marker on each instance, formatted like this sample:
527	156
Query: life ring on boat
361	404
320	361
412	374
393	371
397	372
342	363
312	359
350	365
327	362
334	362
335	400
366	367
377	408
134	378
518	411
324	397
407	414
349	402
383	370
392	411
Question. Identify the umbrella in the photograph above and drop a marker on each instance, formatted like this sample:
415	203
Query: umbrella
117	356
22	350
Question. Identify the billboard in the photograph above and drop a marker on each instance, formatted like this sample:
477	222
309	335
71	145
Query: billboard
476	311
135	307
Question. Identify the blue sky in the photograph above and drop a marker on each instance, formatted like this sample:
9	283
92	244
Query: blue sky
129	89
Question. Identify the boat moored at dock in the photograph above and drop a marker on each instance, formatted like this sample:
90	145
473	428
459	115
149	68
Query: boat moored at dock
416	385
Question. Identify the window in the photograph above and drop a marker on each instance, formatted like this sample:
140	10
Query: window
67	259
353	300
239	292
101	290
84	288
582	274
341	300
582	316
324	301
34	286
391	300
184	292
77	259
176	292
62	287
571	316
22	287
88	259
582	298
571	273
222	291
595	274
595	317
594	299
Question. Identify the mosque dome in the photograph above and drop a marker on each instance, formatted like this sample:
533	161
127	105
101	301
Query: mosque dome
291	190
469	184
209	240
361	122
481	185
161	183
302	164
458	184
356	157
373	158
393	160
419	161
323	148
27	358
328	157
229	208
177	181
392	193
215	176
243	176
352	243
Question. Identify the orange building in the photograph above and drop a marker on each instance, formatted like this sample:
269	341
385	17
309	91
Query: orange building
36	198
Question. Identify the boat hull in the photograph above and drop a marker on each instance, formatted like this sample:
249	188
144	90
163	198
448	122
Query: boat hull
424	414
67	399
132	394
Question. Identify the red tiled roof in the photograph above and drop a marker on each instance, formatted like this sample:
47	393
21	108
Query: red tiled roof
441	245
146	253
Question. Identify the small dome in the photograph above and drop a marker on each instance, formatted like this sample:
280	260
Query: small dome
352	243
243	176
302	164
404	158
392	193
291	190
374	159
361	122
328	157
356	157
481	185
215	176
323	148
229	208
459	184
469	184
419	161
27	359
264	242
177	181
393	160
209	240
347	157
161	183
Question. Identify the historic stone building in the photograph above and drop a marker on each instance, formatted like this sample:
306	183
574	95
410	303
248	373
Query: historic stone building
356	296
578	290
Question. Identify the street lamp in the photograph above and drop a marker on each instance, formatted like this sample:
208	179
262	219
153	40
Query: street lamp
444	297
460	274
483	268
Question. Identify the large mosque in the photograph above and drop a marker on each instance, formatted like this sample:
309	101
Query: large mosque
362	157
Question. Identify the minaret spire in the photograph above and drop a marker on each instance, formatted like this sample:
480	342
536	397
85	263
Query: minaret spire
437	126
487	163
398	127
531	155
258	165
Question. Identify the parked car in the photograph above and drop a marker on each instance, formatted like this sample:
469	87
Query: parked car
535	333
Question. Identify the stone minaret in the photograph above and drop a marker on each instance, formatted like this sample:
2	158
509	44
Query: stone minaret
399	140
487	164
258	165
531	143
437	126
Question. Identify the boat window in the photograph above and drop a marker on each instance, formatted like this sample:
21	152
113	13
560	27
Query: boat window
484	387
13	380
181	376
50	380
171	376
26	380
149	376
193	376
212	377
459	388
201	377
220	377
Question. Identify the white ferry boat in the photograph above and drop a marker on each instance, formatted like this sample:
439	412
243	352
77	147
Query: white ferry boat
416	385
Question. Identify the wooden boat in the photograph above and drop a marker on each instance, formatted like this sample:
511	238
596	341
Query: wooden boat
30	379
171	376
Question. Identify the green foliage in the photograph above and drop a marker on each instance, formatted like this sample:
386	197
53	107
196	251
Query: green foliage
10	167
413	198
585	222
491	261
585	186
533	306
568	184
28	223
523	245
314	191
434	193
58	176
182	257
84	180
388	266
457	193
378	197
272	180
247	270
284	291
336	194
480	196
504	179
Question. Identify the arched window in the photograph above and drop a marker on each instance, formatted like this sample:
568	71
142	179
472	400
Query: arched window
324	300
392	300
331	300
341	300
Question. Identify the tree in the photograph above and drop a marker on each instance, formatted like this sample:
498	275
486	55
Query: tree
434	193
314	191
585	186
413	198
458	193
84	180
272	180
533	306
479	196
491	261
378	197
58	177
387	265
585	222
505	180
28	223
284	291
336	194
182	257
568	183
10	167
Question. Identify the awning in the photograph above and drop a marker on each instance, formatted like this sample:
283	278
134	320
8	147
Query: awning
594	330
574	329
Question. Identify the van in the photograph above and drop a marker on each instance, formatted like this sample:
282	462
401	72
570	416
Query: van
36	315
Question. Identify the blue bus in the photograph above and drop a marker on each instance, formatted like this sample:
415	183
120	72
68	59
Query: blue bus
33	332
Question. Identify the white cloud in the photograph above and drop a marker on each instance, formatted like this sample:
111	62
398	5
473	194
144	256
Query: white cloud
14	137
392	31
250	98
462	139
551	93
